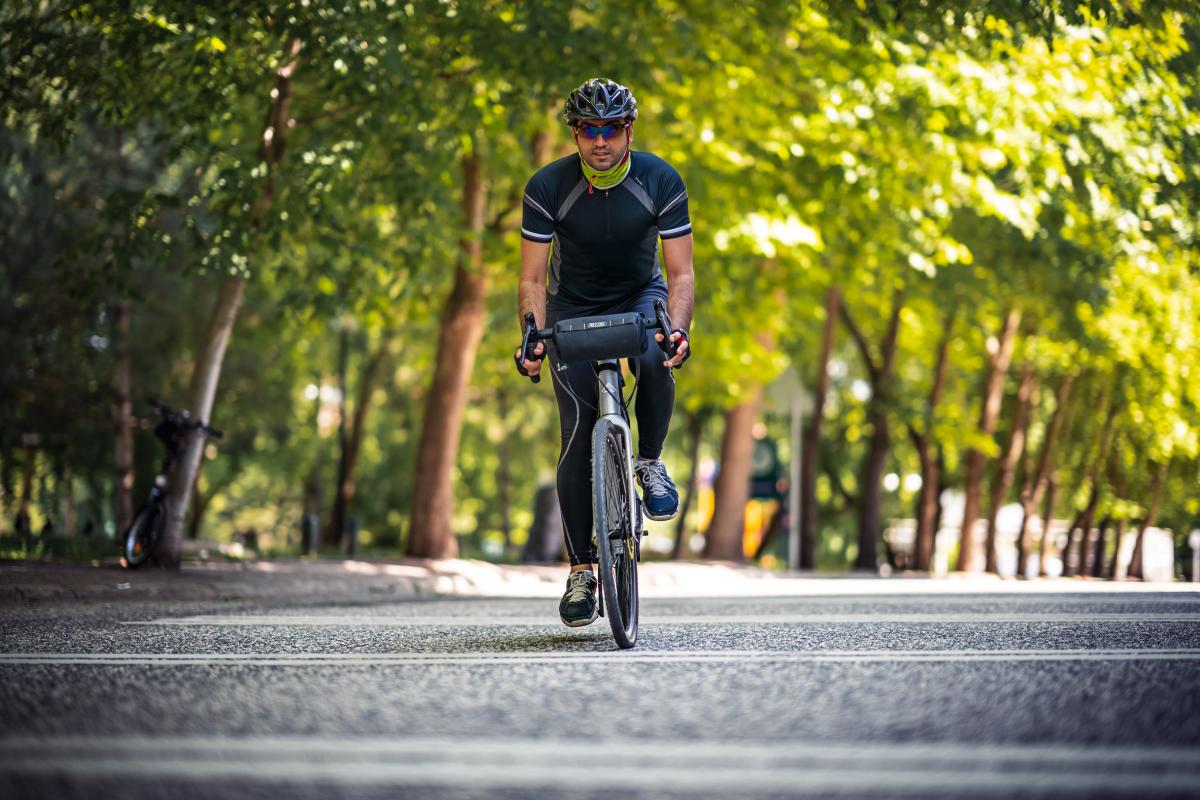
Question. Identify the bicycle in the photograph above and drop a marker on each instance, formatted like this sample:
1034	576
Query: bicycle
143	533
617	521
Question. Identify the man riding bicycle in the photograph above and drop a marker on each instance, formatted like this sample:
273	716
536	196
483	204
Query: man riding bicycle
593	221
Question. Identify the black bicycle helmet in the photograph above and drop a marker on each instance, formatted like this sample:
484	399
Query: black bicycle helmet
600	98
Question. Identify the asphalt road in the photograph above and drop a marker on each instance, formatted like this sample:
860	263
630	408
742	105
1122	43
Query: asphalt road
920	694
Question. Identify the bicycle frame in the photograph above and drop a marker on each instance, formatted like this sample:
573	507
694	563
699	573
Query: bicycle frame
159	488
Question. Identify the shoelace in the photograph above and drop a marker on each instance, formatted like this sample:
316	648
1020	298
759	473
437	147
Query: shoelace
653	479
580	589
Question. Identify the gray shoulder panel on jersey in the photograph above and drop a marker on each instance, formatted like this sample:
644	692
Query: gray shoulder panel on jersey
638	191
681	196
571	198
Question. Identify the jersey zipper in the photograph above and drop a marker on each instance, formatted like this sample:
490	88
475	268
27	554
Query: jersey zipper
607	218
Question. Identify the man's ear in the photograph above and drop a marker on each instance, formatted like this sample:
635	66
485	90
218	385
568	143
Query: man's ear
629	133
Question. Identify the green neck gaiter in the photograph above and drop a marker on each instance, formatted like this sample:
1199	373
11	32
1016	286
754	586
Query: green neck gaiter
609	177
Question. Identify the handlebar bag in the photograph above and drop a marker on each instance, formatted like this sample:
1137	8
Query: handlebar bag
599	338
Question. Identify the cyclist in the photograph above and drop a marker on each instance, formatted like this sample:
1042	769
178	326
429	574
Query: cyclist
593	221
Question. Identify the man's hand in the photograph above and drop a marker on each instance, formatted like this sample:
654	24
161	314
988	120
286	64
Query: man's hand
530	366
682	348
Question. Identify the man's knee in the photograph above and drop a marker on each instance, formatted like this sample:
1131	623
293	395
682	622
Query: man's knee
651	371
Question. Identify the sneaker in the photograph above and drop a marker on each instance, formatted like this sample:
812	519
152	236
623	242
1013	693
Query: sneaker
579	606
659	495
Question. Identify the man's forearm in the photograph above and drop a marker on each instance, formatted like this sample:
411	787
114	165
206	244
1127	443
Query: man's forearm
531	297
681	300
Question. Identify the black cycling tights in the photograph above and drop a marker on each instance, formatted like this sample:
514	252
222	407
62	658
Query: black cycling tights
575	389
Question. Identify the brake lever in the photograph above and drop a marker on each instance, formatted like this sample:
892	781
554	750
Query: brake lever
664	322
526	348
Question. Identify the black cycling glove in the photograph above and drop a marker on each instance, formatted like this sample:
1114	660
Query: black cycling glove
688	353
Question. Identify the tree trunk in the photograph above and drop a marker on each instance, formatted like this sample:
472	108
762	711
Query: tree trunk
1118	537
1156	487
927	498
1007	466
1047	518
504	473
199	506
201	396
1035	483
1097	563
870	507
943	485
362	411
348	467
1072	567
430	531
335	530
812	437
544	544
1083	521
927	505
24	522
724	539
68	482
695	428
207	371
976	461
122	419
1117	480
1092	560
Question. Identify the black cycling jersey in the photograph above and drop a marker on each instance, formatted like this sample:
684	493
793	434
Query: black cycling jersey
604	241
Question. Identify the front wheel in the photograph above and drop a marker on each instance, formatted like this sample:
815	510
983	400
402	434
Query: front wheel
143	534
616	538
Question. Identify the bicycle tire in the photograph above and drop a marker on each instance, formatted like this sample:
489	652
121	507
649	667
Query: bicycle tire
617	546
142	535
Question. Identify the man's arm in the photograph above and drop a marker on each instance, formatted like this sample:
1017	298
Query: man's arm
531	293
681	284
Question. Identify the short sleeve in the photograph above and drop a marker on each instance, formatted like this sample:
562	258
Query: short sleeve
537	223
673	219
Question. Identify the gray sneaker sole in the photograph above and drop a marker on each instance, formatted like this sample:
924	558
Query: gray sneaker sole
664	518
579	623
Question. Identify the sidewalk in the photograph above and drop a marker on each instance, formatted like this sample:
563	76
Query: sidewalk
333	581
307	582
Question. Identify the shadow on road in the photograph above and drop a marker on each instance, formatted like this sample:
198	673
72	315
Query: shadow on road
593	639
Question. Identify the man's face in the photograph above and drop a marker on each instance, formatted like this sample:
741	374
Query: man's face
604	151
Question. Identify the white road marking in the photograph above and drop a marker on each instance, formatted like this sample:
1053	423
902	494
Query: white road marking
647	765
589	658
968	618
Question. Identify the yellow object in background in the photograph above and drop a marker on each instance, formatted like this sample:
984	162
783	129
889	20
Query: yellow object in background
752	527
704	507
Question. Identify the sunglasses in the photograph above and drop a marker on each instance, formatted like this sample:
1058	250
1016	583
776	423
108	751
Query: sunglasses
607	131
